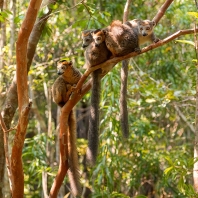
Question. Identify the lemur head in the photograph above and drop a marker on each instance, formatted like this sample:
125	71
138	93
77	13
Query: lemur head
63	66
98	36
86	37
145	27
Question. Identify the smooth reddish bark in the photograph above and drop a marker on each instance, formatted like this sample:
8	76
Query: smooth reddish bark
23	99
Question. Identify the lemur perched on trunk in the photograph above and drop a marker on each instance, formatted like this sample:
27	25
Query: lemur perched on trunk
61	91
94	55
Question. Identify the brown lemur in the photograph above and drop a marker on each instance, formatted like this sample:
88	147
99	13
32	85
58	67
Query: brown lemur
94	55
61	92
120	38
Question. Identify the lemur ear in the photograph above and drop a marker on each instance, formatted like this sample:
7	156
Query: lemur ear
154	23
104	32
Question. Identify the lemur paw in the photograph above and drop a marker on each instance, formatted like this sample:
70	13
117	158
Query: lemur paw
138	50
156	40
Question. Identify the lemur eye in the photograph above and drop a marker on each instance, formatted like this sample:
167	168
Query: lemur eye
62	67
87	40
148	28
98	38
141	28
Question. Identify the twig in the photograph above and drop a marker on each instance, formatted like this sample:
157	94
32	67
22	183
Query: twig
183	117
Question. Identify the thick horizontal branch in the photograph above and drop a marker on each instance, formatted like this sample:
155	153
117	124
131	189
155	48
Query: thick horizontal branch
115	60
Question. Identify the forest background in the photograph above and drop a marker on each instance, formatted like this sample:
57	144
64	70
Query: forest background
161	101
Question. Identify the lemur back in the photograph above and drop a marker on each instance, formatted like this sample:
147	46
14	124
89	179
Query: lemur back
144	30
120	39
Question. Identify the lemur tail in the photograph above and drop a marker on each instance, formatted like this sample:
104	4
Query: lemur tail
94	120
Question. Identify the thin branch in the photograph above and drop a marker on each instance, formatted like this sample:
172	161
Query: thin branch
126	11
183	117
162	10
196	4
5	136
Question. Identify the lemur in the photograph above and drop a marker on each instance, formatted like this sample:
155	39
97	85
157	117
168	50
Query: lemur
94	55
123	38
120	38
61	91
144	30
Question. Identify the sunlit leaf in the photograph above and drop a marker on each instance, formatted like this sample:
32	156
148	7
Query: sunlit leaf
195	14
186	42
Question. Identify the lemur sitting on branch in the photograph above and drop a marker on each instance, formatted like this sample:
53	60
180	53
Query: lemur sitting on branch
94	55
61	91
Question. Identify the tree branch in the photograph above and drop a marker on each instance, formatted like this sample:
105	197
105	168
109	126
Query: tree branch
23	99
184	118
5	135
115	60
11	102
162	10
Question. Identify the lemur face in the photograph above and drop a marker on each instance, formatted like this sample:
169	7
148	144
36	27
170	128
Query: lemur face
63	66
146	27
87	39
98	36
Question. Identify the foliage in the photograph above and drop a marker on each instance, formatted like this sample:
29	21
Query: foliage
160	145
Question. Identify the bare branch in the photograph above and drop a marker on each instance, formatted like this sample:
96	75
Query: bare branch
5	135
23	99
126	11
112	62
162	10
184	118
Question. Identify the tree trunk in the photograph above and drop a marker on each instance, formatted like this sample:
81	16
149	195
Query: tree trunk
195	169
11	102
23	99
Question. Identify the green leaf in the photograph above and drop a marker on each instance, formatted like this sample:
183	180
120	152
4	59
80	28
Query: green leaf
195	14
140	196
167	170
186	42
